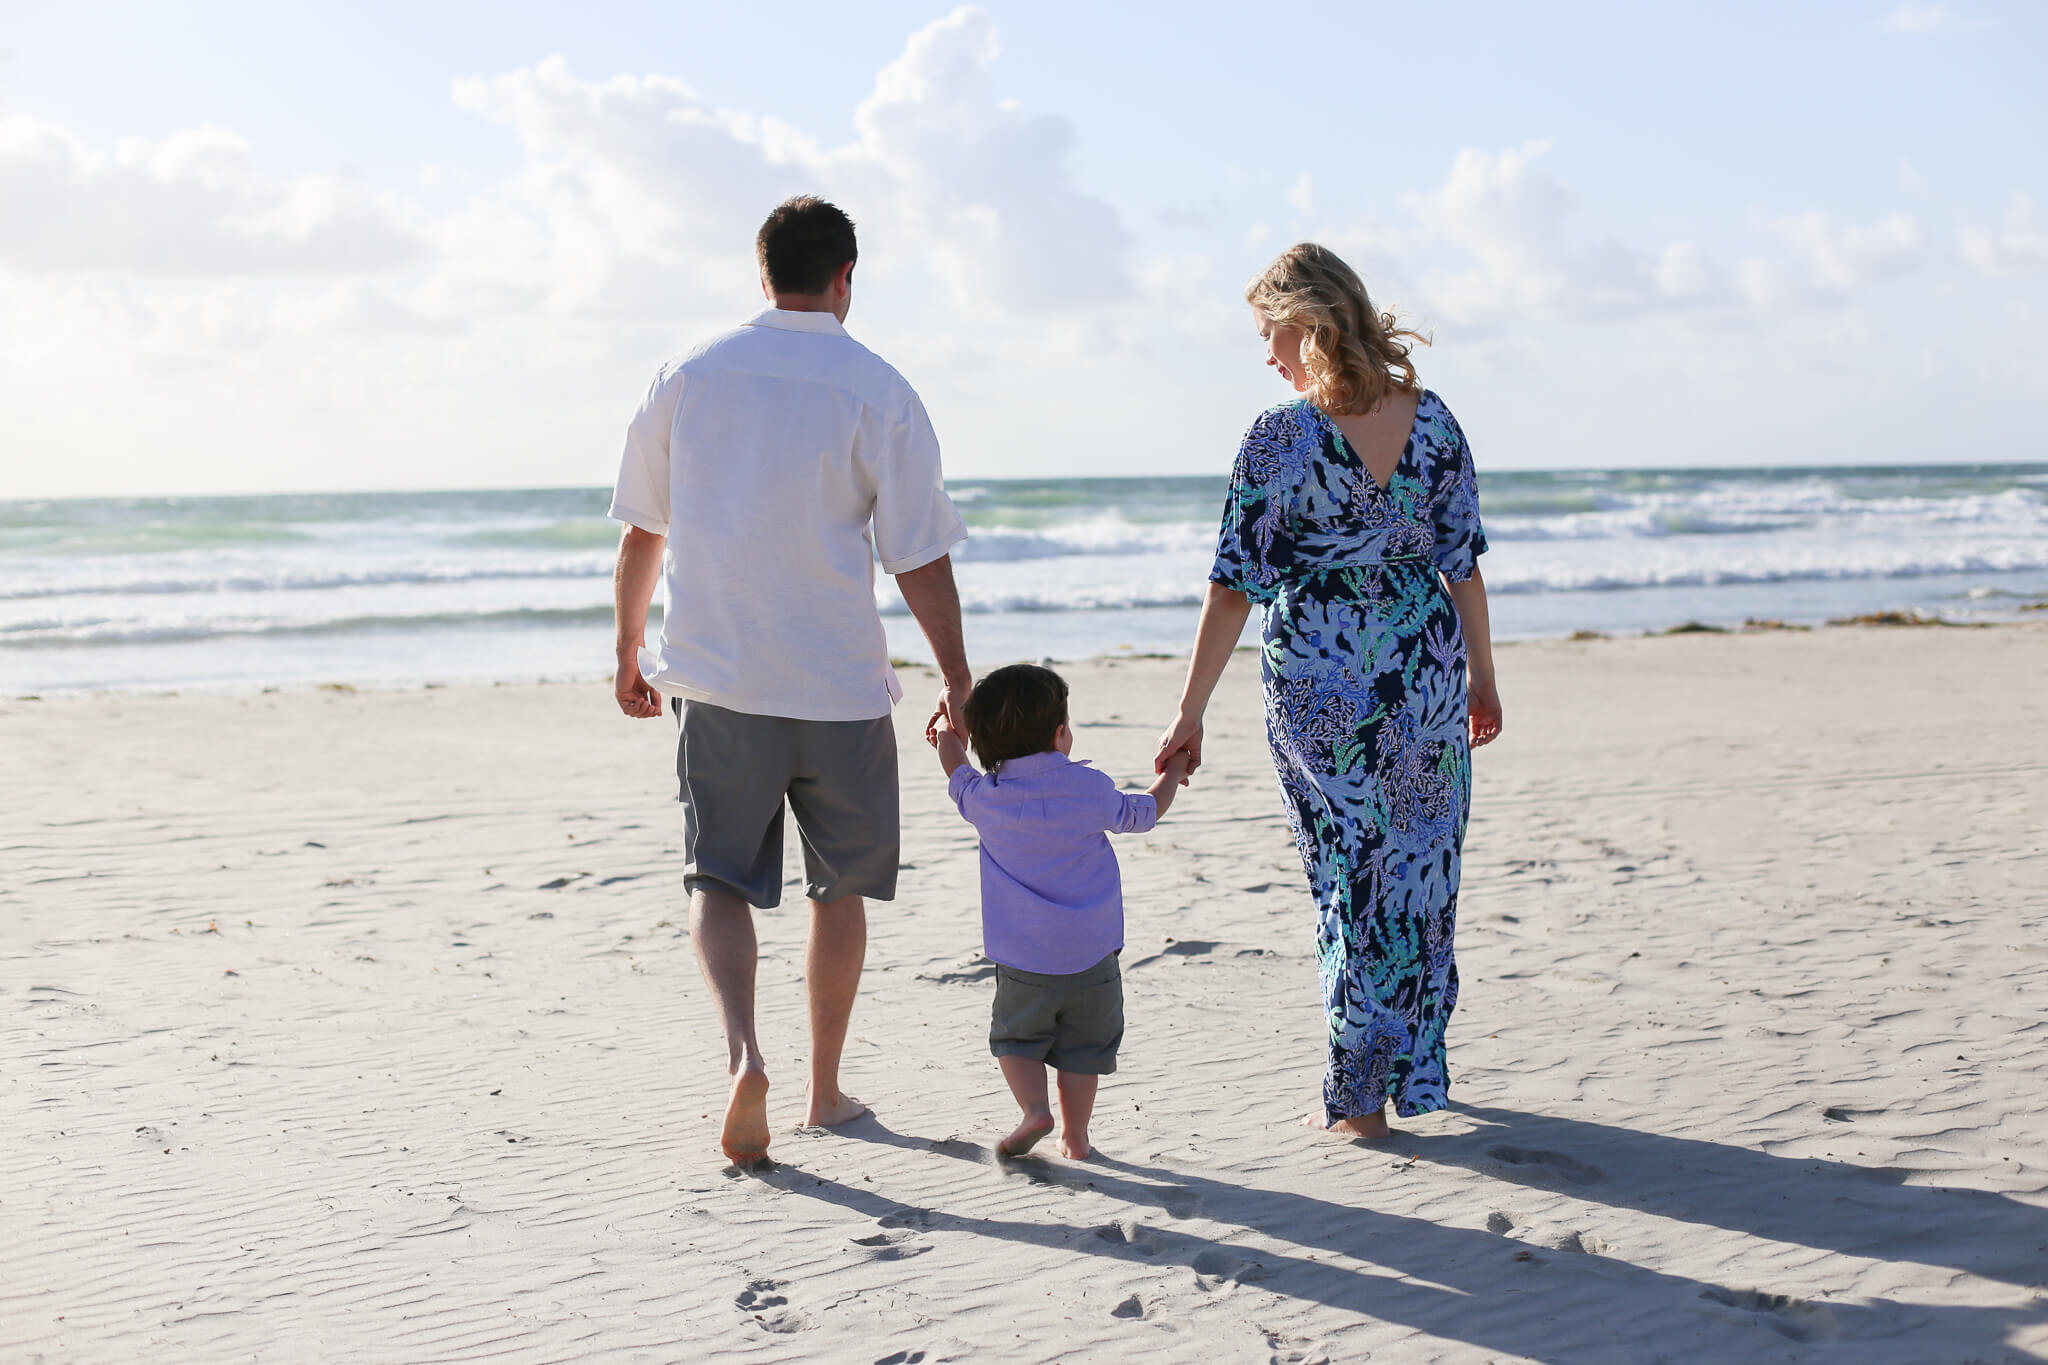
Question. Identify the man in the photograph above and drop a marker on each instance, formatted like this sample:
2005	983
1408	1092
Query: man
751	477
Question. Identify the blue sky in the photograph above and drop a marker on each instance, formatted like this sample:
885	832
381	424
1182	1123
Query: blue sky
284	246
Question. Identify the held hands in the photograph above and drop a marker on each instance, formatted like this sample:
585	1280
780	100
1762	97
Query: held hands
1182	740
1484	704
951	712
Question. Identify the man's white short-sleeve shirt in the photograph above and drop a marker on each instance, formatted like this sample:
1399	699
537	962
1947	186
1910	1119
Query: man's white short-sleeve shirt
766	456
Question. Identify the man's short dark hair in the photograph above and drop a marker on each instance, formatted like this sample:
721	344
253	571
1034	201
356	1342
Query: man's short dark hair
1015	711
803	244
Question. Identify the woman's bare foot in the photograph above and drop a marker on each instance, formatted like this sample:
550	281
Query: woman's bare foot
1074	1146
1371	1127
845	1109
1037	1123
745	1138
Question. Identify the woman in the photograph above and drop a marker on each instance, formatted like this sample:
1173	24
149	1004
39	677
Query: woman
1353	520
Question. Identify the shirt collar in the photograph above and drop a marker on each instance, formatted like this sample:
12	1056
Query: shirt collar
1032	764
785	320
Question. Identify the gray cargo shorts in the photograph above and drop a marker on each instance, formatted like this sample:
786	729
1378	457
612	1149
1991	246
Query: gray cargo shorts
1073	1021
734	772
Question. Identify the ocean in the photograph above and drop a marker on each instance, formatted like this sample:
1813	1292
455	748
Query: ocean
377	589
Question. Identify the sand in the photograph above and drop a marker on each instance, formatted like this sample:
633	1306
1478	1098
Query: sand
364	1026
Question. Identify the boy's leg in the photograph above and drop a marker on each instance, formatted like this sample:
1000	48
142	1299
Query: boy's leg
1077	1103
722	927
832	966
1026	1076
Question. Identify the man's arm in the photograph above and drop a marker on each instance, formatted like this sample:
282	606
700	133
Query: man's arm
935	602
633	580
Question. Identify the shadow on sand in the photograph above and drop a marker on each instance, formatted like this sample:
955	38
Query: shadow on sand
1493	1292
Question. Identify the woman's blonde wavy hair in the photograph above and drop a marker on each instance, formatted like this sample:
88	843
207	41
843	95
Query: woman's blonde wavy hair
1355	355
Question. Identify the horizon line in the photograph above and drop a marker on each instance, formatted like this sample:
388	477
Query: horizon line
955	480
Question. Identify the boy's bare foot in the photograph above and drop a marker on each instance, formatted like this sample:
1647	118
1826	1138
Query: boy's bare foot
1036	1125
1371	1127
745	1138
1074	1146
845	1109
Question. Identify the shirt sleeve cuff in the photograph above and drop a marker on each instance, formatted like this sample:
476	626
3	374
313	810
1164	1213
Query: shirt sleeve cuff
919	558
1140	814
957	785
653	525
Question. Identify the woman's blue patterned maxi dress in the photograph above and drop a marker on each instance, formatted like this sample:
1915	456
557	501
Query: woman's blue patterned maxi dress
1364	670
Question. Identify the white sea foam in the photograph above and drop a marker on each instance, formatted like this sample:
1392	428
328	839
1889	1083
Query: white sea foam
272	580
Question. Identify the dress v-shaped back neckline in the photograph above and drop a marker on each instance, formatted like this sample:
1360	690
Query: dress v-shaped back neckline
1343	441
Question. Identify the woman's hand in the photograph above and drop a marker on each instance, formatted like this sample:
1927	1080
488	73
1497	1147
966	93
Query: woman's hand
1483	700
1184	733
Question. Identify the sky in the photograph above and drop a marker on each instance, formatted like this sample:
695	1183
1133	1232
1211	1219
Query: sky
275	246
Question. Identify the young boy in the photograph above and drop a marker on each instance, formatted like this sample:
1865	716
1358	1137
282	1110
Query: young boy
1052	910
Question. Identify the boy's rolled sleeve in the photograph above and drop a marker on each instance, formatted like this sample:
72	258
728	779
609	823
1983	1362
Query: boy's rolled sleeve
1136	813
962	786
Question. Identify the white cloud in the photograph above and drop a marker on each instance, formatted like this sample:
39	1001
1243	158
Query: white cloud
1303	195
985	188
1507	214
190	204
2021	244
1913	18
1838	259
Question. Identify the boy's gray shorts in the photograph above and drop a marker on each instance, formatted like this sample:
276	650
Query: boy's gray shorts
1071	1022
735	770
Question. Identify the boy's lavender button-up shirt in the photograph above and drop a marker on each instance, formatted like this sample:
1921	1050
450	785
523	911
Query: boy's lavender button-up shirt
1051	897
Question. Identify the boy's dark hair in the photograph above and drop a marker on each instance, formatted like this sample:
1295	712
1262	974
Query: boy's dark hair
1014	711
803	244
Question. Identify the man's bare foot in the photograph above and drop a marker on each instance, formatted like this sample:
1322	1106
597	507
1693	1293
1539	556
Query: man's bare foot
1371	1127
1074	1146
845	1109
745	1138
1036	1125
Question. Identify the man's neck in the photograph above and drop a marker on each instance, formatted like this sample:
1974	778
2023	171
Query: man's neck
803	303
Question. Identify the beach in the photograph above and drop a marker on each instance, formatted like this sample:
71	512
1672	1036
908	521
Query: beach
364	1024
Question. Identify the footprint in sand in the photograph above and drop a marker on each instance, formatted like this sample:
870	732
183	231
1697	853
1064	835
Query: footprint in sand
1179	1202
1553	1164
1132	1234
1795	1319
916	1219
1842	1114
765	1301
891	1246
1502	1223
1292	1350
1216	1267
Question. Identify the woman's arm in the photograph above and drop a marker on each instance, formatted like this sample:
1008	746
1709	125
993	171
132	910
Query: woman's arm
1223	616
1483	700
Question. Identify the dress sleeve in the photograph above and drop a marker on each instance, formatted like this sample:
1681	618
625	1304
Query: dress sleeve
1454	507
1256	547
640	497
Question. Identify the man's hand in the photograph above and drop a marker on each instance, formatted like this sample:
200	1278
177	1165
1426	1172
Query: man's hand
952	707
635	697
